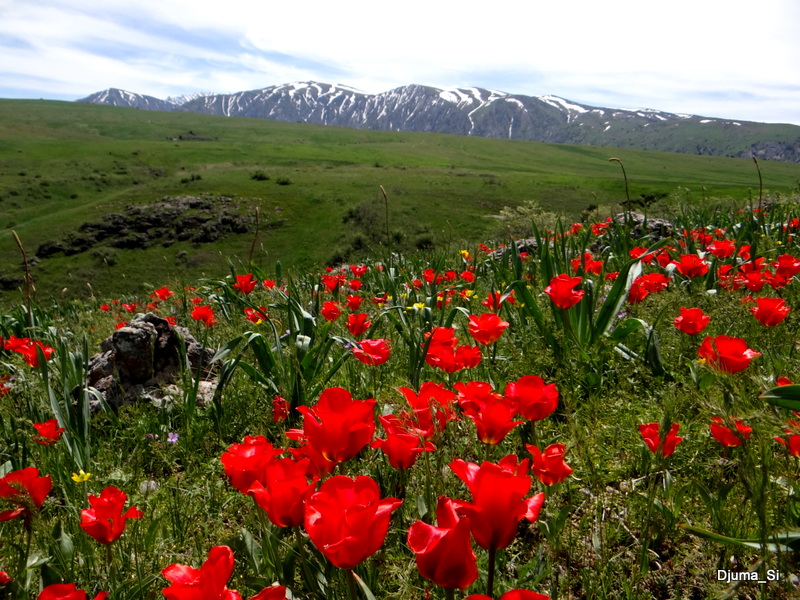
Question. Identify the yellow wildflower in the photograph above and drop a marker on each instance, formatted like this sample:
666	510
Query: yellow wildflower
80	476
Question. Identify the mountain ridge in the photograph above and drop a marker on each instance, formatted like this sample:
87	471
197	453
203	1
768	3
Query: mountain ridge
484	112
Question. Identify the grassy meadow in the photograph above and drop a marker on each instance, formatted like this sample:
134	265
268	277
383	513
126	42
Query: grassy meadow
66	164
601	413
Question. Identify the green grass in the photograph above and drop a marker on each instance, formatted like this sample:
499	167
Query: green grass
62	164
611	530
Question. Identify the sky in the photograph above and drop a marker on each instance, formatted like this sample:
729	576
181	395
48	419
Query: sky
716	58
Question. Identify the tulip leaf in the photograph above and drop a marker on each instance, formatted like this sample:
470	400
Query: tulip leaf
616	297
625	328
785	396
788	541
363	586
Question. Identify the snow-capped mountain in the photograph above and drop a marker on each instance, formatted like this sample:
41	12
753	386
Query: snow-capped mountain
486	113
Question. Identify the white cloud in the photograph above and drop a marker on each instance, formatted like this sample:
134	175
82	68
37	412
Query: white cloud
681	55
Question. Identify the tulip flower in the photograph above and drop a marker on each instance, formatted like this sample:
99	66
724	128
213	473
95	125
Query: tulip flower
691	266
535	400
204	314
48	432
549	466
512	595
792	439
372	352
401	447
357	324
330	310
723	431
4	578
338	426
209	582
256	316
487	328
652	437
26	490
245	463
491	412
245	283
66	591
347	520
498	499
105	521
770	311
562	293
444	553
691	321
284	491
433	407
727	354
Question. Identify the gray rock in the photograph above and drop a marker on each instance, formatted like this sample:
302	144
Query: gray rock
139	361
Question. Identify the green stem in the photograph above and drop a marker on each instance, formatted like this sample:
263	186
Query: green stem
351	585
490	574
449	594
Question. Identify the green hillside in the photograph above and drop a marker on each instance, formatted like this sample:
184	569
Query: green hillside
317	189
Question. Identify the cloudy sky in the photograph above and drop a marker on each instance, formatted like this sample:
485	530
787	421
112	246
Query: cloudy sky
719	58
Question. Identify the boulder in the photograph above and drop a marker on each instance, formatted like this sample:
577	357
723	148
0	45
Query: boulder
143	359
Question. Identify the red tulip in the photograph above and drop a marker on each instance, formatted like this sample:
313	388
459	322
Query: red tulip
727	354
491	412
256	316
338	426
319	465
354	302
280	408
770	311
487	328
401	447
651	436
25	489
284	491
561	291
105	521
209	582
204	314
512	595
245	283
692	321
444	553
792	439
494	300
372	352
330	310
48	432
4	578
535	400
498	499
691	265
66	591
722	248
549	466
432	407
357	324
245	463
723	432
162	293
589	265
467	357
275	592
347	520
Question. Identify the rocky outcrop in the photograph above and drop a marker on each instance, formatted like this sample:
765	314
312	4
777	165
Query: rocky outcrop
199	220
143	360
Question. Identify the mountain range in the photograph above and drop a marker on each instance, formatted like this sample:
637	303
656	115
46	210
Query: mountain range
487	113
